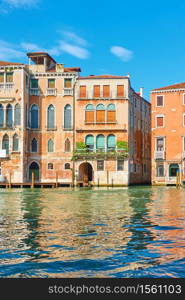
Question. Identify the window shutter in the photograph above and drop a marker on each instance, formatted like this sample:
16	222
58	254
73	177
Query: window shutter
9	77
111	116
51	83
89	140
159	121
68	83
1	77
89	116
67	117
100	142
82	91
106	91
96	91
100	116
111	143
159	100
120	90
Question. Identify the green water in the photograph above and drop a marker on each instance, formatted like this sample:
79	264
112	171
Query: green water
126	232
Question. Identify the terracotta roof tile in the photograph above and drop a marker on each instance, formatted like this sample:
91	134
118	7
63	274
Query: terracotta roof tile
75	69
103	77
6	63
172	87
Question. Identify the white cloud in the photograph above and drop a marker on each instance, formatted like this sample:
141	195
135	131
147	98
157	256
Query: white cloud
74	50
9	51
122	53
73	37
31	47
20	3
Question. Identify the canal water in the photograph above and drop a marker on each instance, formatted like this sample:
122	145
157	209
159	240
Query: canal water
125	232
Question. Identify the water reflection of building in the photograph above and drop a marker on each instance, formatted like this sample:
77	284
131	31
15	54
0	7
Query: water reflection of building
167	211
77	227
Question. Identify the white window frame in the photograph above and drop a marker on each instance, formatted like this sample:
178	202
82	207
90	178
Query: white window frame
156	101
183	99
164	142
183	119
159	116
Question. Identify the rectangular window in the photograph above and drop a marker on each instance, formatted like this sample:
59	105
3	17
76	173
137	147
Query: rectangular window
120	90
9	77
100	165
106	91
34	83
160	144
51	83
120	165
183	99
68	83
160	101
111	116
83	91
89	116
27	82
160	121
1	77
160	171
96	91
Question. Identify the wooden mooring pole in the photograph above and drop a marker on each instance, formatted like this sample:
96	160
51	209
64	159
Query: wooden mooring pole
56	179
32	180
10	180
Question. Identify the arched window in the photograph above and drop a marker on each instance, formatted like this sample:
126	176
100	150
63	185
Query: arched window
51	117
67	117
9	116
89	113
34	168
173	170
50	166
50	145
111	142
89	141
100	113
17	114
67	166
34	116
5	143
111	113
67	145
100	142
34	145
15	142
1	116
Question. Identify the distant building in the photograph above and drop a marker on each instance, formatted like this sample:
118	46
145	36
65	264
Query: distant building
56	124
168	133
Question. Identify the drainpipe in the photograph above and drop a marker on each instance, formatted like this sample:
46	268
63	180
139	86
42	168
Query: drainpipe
74	127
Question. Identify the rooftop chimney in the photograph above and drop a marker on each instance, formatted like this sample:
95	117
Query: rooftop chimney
141	91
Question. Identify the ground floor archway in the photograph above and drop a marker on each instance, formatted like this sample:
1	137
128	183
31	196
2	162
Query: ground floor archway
173	170
34	168
85	172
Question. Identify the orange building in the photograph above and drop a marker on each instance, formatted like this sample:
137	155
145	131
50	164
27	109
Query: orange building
168	133
68	128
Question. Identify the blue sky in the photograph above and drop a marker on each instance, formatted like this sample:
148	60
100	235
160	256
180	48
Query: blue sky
145	39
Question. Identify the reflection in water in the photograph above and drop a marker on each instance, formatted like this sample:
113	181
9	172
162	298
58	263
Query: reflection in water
129	232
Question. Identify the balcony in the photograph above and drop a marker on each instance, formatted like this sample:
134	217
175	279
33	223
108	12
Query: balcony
34	92
51	92
7	90
7	126
68	92
159	155
94	154
3	153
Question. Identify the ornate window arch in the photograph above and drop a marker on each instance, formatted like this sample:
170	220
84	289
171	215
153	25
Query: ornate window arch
51	117
15	142
34	116
68	117
17	114
50	145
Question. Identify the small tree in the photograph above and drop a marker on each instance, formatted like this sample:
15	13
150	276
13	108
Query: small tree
122	145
